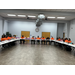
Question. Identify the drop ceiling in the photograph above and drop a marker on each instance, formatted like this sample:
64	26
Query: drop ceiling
68	13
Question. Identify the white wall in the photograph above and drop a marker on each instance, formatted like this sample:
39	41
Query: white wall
65	30
68	29
60	28
15	27
0	28
5	26
72	31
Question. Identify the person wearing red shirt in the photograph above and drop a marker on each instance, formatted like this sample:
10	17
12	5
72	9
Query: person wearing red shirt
68	48
22	39
43	40
32	39
48	40
3	38
69	40
66	40
12	43
59	39
8	38
52	40
38	40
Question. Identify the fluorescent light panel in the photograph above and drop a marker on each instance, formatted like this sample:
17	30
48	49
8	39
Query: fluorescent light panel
50	17
31	16
21	15
60	17
11	14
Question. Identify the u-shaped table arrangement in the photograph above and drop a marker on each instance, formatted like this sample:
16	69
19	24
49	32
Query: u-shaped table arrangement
55	41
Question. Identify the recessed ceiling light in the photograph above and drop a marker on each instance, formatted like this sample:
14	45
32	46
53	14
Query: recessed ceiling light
60	17
50	17
21	15
31	16
11	14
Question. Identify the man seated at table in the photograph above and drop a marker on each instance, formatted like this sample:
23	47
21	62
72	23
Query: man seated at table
38	40
68	48
3	38
66	40
12	37
32	39
59	39
52	40
47	40
69	40
9	37
22	39
43	40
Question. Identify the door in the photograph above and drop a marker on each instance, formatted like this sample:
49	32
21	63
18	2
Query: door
46	34
26	34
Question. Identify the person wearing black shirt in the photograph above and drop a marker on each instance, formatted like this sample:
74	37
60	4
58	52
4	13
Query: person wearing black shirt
47	40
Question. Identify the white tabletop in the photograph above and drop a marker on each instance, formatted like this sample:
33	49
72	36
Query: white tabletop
8	41
65	43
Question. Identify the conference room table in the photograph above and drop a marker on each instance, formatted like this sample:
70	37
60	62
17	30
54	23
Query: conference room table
8	41
61	42
56	41
66	44
34	39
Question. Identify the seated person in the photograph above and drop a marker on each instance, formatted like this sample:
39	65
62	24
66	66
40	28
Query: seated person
69	40
12	43
59	39
3	38
47	40
66	40
68	48
9	38
38	40
32	40
22	39
43	40
52	40
6	37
